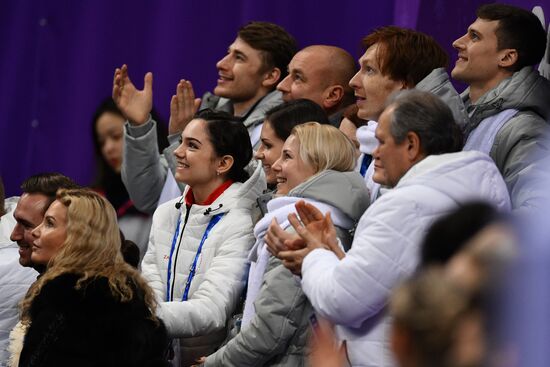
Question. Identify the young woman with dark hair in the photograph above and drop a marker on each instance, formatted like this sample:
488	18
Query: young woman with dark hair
196	260
108	131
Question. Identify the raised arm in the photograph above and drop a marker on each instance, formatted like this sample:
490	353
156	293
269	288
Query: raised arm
183	107
135	104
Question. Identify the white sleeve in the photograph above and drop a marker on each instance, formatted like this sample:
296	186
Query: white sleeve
150	270
384	250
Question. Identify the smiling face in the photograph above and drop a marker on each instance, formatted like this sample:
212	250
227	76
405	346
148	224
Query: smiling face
240	73
391	160
290	169
269	151
110	131
479	57
196	158
28	215
50	234
372	89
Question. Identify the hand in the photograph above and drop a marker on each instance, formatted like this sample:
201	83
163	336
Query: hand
183	107
324	349
318	231
312	218
293	259
298	246
133	103
276	237
200	361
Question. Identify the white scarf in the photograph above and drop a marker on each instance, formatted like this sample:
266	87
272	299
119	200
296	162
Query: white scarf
365	136
278	208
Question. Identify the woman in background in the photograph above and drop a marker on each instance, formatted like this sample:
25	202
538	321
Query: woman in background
108	132
196	260
279	122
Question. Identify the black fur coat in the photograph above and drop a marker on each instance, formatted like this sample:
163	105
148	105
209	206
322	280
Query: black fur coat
89	327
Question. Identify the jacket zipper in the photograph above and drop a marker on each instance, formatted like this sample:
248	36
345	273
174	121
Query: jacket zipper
187	212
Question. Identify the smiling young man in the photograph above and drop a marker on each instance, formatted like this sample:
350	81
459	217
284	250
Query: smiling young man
507	100
247	77
416	156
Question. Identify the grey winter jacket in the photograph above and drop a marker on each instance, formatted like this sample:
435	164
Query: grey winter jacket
521	147
438	83
144	170
277	334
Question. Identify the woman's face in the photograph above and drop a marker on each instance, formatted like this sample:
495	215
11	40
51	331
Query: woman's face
110	130
290	169
50	234
196	158
350	130
269	151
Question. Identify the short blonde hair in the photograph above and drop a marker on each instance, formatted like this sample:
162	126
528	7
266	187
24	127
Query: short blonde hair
324	147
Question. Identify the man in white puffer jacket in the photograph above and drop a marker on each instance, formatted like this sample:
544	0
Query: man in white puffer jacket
417	140
15	279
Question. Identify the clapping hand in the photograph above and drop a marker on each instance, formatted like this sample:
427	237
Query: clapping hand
314	231
183	107
135	104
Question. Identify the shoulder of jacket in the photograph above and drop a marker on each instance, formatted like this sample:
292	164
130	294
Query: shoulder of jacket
523	124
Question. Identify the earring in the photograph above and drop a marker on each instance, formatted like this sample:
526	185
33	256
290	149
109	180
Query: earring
217	173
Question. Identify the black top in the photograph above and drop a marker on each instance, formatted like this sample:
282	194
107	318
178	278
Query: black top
89	327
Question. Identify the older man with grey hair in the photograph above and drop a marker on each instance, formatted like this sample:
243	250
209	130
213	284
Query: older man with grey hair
416	156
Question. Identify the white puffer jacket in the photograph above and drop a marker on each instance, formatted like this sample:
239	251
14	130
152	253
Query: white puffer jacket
15	279
221	268
353	292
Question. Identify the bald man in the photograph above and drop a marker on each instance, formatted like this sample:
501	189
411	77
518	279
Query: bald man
321	74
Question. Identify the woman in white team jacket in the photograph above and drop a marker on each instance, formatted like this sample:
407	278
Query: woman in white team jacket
316	165
196	261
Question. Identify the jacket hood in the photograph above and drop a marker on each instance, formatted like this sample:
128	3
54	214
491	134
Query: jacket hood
524	90
345	191
462	176
270	100
438	83
238	195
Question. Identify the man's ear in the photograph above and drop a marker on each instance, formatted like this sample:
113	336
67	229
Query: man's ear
332	96
414	149
224	164
508	57
272	78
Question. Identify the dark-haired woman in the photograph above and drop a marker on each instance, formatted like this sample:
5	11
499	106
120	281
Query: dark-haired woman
197	256
108	132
